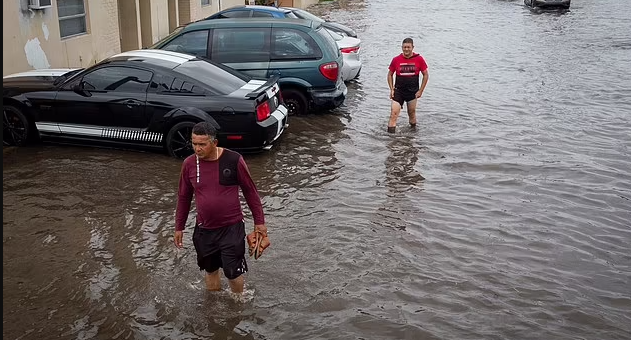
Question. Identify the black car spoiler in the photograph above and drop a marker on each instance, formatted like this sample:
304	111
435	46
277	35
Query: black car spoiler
270	81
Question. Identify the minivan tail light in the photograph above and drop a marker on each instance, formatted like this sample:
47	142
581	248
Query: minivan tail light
262	111
330	70
350	49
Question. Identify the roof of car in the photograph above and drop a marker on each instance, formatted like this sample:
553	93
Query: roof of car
252	22
259	7
162	58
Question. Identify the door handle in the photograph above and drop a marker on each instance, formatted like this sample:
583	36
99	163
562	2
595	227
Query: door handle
130	103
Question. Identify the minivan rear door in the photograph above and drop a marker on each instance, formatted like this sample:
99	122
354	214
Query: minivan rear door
246	49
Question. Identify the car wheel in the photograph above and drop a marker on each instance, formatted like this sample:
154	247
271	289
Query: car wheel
178	141
295	101
15	127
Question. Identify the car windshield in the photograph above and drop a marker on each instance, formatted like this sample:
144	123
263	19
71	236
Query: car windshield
167	38
220	78
334	35
292	15
308	16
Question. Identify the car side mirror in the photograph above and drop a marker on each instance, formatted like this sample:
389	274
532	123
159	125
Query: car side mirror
79	88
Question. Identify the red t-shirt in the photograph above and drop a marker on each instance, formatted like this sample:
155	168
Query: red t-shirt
217	204
407	71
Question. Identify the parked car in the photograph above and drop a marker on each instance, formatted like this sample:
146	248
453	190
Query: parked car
350	51
255	11
145	98
300	52
548	4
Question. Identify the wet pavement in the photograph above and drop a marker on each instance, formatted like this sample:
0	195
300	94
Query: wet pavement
504	215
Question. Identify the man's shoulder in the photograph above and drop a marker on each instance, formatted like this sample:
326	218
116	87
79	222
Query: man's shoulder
188	160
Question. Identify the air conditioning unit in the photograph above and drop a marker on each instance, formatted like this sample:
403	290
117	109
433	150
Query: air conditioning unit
39	4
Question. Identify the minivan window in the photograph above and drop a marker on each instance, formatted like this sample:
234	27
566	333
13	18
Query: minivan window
240	45
195	43
221	79
331	45
168	37
235	14
291	43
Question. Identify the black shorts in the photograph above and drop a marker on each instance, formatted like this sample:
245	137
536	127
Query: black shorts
401	96
221	248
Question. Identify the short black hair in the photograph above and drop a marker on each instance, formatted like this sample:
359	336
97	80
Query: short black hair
205	129
408	41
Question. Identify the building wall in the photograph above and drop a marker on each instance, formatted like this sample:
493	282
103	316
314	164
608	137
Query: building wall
32	39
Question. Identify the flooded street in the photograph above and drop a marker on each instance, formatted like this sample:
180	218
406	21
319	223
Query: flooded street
505	215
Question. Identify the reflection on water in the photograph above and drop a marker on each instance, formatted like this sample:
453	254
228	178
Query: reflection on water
505	215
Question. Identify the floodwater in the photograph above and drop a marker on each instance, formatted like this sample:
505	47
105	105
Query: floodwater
505	215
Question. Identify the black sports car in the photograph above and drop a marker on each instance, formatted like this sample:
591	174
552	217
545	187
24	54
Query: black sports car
148	98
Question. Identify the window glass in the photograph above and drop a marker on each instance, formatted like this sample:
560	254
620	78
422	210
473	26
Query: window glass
238	45
195	43
221	79
116	78
235	14
307	16
259	14
206	2
71	15
330	44
294	44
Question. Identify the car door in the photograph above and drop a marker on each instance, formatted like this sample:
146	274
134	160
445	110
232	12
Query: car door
109	97
246	49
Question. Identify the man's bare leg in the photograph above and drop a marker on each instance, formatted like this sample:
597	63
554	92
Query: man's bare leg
412	112
236	285
395	110
213	281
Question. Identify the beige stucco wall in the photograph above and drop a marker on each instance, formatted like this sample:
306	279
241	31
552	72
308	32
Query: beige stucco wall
154	18
32	40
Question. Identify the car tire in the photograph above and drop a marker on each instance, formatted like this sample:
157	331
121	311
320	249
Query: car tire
295	101
178	142
16	128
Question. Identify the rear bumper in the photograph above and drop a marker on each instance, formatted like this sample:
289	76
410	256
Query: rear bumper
274	126
327	99
351	69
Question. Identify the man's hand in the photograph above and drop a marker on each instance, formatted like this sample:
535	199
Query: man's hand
177	238
418	94
261	228
392	94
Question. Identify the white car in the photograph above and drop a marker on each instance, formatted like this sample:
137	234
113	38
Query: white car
349	47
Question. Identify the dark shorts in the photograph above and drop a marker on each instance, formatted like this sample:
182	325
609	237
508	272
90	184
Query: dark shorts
402	96
221	248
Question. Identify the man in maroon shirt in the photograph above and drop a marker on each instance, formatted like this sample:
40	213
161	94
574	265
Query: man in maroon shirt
407	66
215	175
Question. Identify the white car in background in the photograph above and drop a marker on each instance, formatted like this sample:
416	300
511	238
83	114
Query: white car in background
349	47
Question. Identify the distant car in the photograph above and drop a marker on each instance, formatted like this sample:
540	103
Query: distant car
144	98
300	52
255	11
350	51
548	4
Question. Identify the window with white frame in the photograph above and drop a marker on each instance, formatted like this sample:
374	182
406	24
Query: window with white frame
206	2
71	17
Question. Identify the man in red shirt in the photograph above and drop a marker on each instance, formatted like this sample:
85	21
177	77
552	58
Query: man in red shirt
407	66
215	175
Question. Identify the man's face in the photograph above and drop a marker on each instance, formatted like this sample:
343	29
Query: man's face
407	49
204	146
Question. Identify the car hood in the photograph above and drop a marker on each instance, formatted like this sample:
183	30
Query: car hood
34	79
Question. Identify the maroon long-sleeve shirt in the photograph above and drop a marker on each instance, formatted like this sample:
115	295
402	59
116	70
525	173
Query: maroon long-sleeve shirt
218	204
